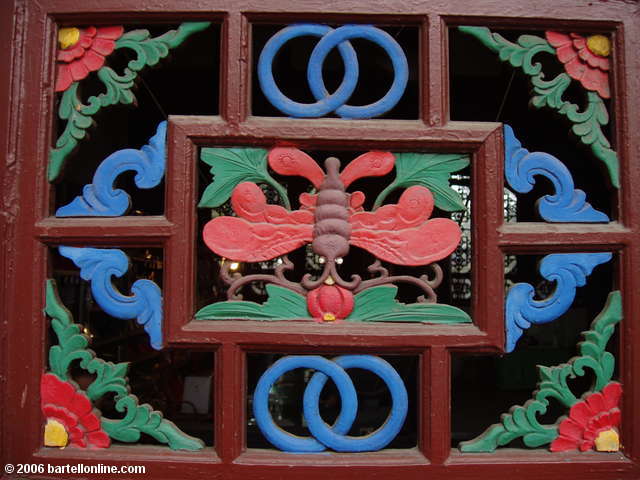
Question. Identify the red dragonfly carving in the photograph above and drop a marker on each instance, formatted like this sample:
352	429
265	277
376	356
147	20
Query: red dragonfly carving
332	219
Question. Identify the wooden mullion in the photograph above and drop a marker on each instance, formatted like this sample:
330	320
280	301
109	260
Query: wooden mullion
292	335
179	255
627	122
123	231
435	414
627	125
434	68
532	237
230	402
519	13
12	36
628	351
26	256
487	215
234	74
455	136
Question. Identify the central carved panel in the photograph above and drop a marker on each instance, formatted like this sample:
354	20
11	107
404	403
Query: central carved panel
332	219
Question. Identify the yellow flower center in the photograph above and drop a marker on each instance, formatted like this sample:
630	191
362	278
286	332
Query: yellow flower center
55	435
68	37
329	317
599	44
608	441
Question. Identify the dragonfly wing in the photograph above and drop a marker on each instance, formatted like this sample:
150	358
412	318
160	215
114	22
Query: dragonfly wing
244	241
413	208
432	241
249	202
260	231
403	234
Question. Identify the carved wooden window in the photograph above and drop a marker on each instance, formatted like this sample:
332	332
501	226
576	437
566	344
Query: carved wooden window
183	194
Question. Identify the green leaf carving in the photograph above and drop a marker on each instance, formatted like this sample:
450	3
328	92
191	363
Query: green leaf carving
71	343
282	304
148	50
431	170
379	304
587	125
518	54
521	421
143	419
110	377
71	110
118	88
592	350
549	93
231	166
553	383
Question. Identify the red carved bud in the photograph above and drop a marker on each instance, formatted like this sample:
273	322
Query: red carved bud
329	303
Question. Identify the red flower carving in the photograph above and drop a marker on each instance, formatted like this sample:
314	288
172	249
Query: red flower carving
64	406
83	50
591	421
584	59
329	303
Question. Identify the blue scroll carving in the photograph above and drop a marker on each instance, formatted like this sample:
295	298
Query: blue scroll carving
145	305
336	101
324	435
100	199
567	204
569	271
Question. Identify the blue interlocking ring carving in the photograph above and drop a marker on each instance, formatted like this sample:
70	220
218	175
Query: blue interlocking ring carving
336	101
333	436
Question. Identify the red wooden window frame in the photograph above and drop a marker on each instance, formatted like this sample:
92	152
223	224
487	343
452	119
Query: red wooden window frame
26	101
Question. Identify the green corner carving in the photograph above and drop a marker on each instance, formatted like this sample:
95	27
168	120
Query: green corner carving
79	117
587	125
72	345
110	377
522	421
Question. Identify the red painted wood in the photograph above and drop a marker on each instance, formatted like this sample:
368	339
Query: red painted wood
180	197
153	231
487	263
9	36
437	378
27	139
435	87
230	402
303	335
628	145
235	64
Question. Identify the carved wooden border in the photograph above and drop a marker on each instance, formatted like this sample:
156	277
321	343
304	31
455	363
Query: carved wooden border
25	223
